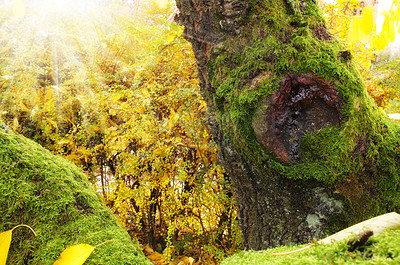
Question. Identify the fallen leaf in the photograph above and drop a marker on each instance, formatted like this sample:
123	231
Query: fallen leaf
75	255
156	257
5	241
186	261
147	250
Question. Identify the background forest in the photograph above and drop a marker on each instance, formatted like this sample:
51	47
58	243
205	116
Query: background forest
112	86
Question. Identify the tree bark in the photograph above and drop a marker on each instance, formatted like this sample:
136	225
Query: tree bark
307	150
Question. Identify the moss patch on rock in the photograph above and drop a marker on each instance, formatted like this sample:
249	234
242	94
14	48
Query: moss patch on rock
381	249
54	197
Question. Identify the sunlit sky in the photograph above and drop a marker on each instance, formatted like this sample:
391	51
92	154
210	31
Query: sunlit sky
50	8
22	7
43	13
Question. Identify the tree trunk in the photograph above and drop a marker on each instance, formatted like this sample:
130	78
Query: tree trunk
307	150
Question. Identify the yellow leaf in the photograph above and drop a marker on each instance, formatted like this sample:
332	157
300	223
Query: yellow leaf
147	250
397	15
23	106
156	257
75	255
161	3
163	179
112	112
380	42
367	20
391	32
170	38
355	30
361	27
5	241
145	92
375	43
15	123
186	261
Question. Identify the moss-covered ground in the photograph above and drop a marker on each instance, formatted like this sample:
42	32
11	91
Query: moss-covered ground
54	197
380	249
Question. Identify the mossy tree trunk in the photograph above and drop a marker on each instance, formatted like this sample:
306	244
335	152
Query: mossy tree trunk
307	149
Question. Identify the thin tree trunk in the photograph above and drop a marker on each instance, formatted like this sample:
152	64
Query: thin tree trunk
152	233
307	150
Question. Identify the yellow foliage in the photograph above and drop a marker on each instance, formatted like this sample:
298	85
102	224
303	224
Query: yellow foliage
361	27
361	37
380	42
75	255
123	102
389	28
162	3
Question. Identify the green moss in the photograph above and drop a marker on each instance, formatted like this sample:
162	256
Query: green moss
55	198
283	49
363	148
383	249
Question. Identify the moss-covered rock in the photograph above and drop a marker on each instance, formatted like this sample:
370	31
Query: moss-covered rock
381	249
54	197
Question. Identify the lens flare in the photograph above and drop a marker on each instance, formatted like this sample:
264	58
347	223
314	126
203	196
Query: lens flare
21	8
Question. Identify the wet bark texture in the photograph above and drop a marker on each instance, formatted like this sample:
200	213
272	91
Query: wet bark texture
274	208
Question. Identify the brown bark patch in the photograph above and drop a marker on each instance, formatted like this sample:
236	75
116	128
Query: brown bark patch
361	147
321	33
303	103
345	55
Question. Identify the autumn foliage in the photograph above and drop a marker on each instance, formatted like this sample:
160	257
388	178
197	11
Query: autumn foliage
118	94
354	23
121	99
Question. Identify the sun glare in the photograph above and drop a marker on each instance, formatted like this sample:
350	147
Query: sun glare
49	32
21	8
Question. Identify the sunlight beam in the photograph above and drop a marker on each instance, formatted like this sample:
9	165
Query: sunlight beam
52	7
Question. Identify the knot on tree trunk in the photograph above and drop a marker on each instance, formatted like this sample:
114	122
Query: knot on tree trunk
303	103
